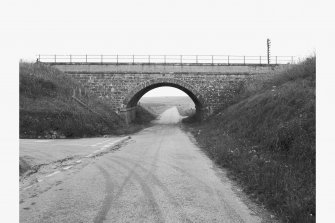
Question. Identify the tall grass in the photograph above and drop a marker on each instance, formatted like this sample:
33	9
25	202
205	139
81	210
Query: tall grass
267	140
47	108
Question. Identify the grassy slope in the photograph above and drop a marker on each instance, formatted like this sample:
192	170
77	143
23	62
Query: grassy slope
143	115
267	140
47	107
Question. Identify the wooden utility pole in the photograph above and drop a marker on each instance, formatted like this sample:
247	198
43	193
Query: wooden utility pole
268	43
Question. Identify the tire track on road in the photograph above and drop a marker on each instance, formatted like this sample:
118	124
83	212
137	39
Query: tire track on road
180	170
107	202
169	195
145	188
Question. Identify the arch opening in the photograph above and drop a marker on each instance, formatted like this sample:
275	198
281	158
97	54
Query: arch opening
158	100
131	101
136	98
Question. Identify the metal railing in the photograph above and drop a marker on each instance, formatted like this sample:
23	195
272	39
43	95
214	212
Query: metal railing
166	59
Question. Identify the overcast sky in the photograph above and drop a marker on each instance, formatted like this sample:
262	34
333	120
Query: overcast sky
161	27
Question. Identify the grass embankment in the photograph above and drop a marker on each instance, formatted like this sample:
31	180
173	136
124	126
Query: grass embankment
144	115
267	141
47	109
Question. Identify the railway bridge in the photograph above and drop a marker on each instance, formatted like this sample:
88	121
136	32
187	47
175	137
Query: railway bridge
210	81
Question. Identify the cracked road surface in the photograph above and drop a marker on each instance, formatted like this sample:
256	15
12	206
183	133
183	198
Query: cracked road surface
159	175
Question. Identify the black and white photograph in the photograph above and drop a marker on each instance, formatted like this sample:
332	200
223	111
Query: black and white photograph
167	111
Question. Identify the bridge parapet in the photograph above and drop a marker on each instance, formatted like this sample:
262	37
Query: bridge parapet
168	59
105	68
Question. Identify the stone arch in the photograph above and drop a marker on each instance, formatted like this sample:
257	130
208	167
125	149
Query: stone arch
135	94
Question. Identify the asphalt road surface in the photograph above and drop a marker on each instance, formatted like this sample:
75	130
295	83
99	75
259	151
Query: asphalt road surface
159	175
44	151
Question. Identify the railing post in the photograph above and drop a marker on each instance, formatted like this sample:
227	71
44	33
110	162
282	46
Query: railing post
181	59
228	60
196	58
244	60
149	58
70	58
117	59
86	58
276	60
212	60
133	59
55	58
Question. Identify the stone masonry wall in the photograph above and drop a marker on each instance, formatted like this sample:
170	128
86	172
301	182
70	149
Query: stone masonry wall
216	84
116	87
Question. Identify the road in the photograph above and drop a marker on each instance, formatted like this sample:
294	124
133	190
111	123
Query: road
44	151
159	175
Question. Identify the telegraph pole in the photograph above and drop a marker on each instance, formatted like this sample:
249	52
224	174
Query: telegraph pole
268	43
